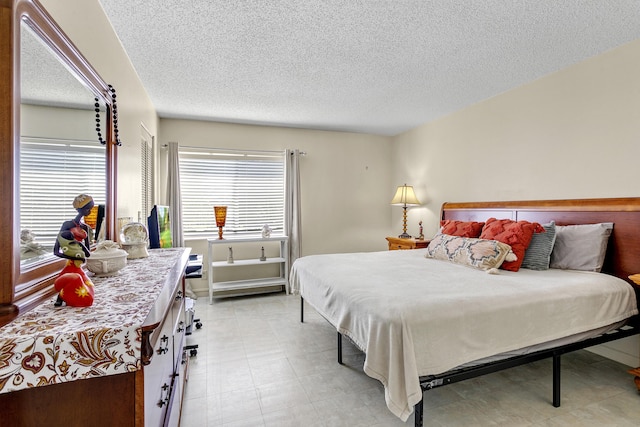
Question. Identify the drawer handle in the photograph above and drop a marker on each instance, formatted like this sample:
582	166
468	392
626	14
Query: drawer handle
164	349
181	326
165	400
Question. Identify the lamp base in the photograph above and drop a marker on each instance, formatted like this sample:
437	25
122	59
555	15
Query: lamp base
404	236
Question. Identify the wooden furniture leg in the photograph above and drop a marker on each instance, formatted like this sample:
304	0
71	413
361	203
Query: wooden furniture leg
636	372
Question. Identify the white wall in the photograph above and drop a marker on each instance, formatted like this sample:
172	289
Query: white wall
345	179
56	122
572	134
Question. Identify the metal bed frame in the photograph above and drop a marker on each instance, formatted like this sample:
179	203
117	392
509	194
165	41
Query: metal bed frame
430	382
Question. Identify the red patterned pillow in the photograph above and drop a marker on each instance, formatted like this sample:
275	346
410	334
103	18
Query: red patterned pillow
461	228
516	234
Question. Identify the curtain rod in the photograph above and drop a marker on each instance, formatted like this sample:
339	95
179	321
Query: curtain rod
232	150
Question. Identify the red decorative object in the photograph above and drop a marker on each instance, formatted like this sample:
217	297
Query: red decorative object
78	233
73	285
516	234
461	228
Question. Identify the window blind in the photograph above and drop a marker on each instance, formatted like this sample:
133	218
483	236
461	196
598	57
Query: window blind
52	174
250	184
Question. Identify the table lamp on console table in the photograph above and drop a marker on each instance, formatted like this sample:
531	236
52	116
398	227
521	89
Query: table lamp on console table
405	196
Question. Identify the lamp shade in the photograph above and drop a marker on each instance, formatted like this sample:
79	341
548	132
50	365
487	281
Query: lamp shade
405	196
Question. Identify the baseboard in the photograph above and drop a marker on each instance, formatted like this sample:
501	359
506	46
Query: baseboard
615	353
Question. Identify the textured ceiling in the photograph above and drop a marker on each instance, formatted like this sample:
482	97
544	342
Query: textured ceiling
374	66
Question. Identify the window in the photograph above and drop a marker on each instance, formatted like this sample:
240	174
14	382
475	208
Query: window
250	184
52	174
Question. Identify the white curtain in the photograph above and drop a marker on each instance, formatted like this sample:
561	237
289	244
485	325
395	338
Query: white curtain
174	199
292	214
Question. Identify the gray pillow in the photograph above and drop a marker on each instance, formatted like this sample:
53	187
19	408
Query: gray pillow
538	254
581	247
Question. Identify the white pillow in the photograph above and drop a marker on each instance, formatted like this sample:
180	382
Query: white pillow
581	247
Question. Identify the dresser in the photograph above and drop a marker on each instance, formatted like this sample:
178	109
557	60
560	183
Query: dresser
120	362
397	243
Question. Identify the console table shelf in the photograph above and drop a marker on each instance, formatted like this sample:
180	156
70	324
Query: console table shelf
219	289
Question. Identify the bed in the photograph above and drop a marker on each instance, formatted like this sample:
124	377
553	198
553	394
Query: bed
424	323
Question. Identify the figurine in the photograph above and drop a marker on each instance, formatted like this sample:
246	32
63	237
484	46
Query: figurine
135	239
29	248
230	256
266	231
73	286
262	257
421	235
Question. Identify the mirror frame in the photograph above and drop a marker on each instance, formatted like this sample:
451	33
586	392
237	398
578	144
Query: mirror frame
22	289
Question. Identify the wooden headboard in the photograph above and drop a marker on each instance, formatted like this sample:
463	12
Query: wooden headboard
623	251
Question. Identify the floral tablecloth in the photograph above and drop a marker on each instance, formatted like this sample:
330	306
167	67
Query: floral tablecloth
50	345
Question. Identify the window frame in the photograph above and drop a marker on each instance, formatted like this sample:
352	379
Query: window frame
242	176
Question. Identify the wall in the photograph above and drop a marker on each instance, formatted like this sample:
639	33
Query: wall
55	122
572	134
86	24
345	180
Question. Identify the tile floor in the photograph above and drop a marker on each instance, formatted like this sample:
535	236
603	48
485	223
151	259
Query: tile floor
257	365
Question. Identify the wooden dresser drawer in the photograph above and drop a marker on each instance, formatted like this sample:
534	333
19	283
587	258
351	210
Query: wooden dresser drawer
158	376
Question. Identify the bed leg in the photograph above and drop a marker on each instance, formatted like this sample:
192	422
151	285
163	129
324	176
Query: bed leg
339	348
301	309
417	413
556	380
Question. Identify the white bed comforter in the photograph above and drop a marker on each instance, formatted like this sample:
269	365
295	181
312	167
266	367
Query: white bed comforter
414	316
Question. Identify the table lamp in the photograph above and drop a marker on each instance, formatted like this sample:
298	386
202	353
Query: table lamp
404	197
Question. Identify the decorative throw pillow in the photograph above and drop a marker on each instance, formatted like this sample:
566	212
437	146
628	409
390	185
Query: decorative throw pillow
581	247
516	234
538	254
478	253
461	228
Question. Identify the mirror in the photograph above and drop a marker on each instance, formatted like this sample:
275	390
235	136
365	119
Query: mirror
60	156
47	92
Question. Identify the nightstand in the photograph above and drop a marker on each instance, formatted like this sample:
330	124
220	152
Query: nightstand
396	243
